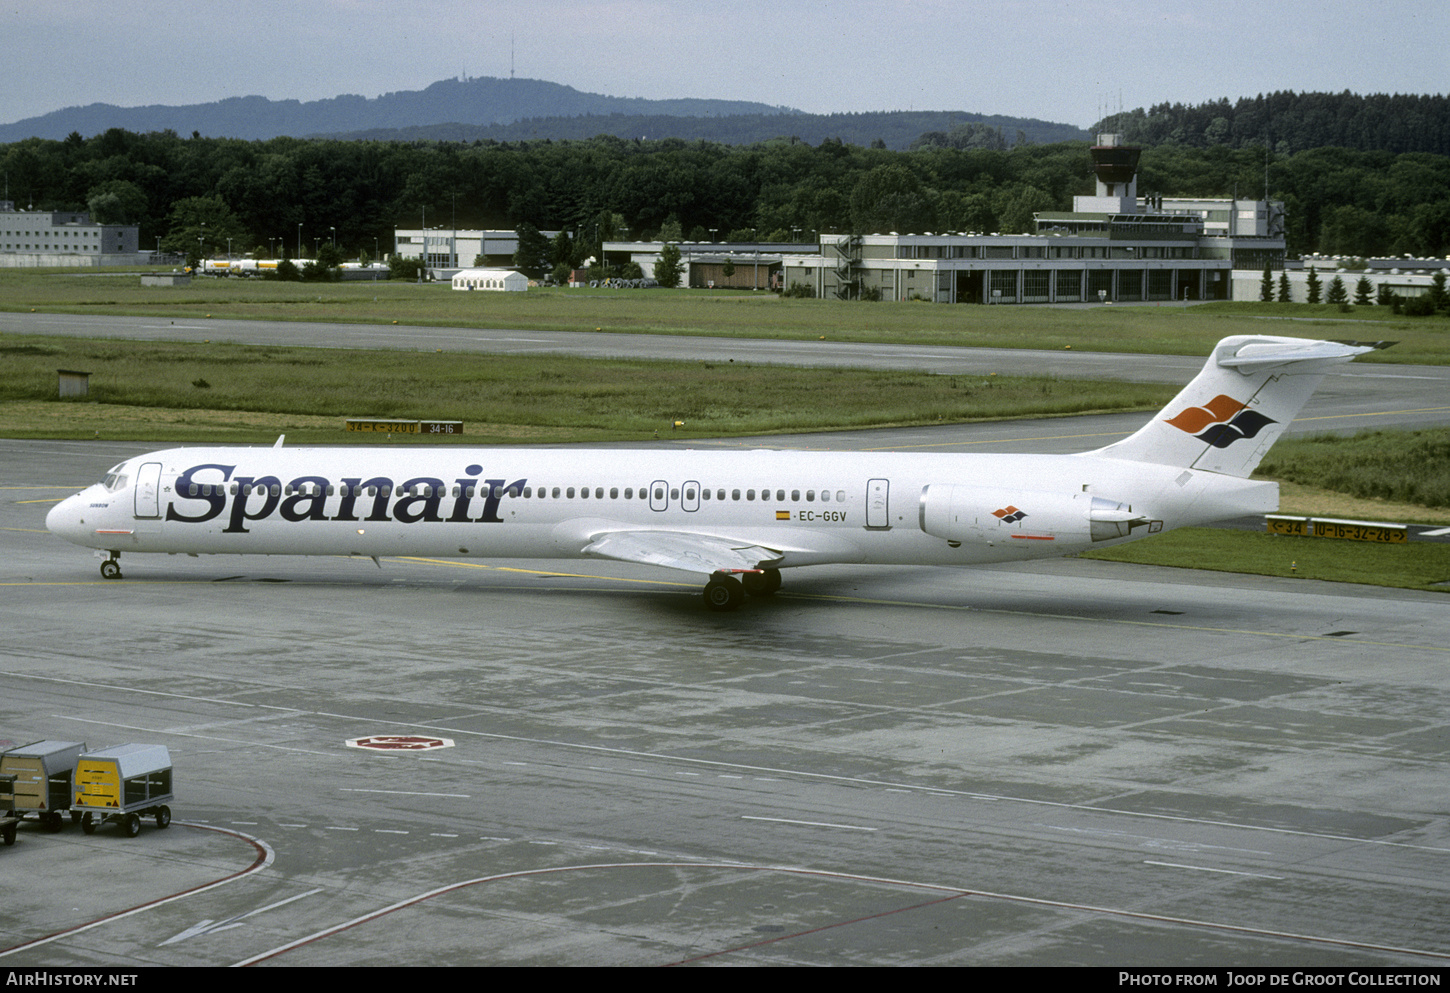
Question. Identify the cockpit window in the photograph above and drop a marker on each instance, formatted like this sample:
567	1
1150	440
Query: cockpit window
115	479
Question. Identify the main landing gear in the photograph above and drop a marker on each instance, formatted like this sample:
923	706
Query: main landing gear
111	568
725	592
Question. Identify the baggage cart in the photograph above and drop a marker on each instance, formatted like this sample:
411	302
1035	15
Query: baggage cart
124	784
8	824
43	772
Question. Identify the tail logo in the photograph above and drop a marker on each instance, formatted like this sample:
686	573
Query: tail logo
1221	422
1009	514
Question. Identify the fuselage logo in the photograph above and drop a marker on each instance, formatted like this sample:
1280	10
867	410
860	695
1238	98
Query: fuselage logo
1009	514
1221	422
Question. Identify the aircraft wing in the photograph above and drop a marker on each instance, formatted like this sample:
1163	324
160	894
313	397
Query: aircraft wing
685	550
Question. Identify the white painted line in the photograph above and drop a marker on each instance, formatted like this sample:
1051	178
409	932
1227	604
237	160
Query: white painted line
787	820
1435	534
462	796
1204	868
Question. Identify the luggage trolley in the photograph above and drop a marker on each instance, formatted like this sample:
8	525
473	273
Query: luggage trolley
42	774
123	784
8	822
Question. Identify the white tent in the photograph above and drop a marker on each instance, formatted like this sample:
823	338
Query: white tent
504	280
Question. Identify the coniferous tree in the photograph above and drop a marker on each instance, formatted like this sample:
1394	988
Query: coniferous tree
1313	285
1266	287
1284	294
1337	292
1362	291
669	268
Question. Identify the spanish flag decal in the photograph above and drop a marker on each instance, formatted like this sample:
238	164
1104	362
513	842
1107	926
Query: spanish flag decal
782	515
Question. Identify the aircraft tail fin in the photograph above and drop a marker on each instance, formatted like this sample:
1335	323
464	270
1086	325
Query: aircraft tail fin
1249	390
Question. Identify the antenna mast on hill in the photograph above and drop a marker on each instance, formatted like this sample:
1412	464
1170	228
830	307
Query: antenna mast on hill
511	55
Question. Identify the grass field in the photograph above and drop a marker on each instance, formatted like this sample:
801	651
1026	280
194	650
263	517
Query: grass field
1415	566
1166	329
214	392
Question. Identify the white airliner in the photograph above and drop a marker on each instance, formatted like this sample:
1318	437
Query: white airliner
738	518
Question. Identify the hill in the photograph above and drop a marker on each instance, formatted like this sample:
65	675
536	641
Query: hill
479	101
894	129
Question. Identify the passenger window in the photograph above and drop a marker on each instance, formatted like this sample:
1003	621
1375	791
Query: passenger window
795	495
599	493
735	494
810	496
556	492
570	493
614	493
750	495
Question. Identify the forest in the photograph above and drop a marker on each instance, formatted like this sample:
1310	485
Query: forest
262	194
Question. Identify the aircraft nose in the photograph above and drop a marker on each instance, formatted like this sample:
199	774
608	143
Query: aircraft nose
64	519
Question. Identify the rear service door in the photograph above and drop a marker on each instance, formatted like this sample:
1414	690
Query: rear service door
878	505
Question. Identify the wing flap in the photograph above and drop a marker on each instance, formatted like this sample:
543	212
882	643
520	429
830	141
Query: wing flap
684	550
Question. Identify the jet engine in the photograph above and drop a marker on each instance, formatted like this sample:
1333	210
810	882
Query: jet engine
988	514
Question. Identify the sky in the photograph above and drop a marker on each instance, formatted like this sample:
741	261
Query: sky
1068	61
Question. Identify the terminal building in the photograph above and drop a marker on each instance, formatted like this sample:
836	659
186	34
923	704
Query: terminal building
63	238
1112	246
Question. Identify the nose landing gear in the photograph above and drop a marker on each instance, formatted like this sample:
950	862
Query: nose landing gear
111	568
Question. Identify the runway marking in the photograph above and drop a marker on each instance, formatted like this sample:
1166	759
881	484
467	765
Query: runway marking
787	820
948	893
1204	868
211	927
265	857
456	796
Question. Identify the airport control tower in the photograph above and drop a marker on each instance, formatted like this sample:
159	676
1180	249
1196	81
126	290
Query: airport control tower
1116	166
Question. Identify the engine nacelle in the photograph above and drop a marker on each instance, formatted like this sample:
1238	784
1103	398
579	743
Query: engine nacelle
989	514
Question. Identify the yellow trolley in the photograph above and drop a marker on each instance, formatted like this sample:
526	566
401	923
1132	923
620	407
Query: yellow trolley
124	784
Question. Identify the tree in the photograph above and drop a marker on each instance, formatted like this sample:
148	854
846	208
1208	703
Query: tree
669	268
890	198
1362	291
116	201
1337	293
1437	294
1284	294
1313	284
532	256
200	224
1266	286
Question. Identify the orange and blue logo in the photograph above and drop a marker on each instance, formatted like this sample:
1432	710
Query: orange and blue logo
1009	514
1221	422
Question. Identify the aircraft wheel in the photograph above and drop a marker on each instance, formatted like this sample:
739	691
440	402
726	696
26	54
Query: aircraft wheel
110	569
131	825
88	823
723	593
761	583
163	816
